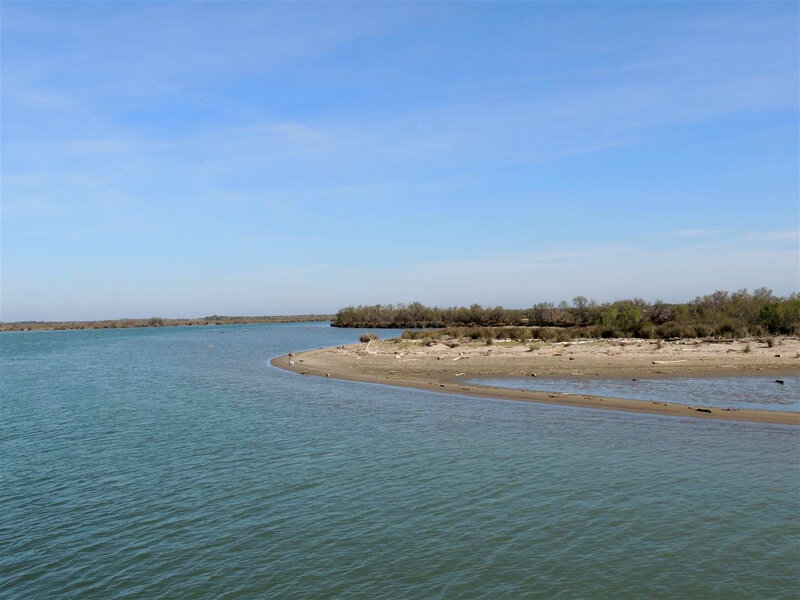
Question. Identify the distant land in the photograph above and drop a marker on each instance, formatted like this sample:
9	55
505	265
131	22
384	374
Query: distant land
157	322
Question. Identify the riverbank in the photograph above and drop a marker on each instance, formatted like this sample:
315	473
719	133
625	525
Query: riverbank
444	366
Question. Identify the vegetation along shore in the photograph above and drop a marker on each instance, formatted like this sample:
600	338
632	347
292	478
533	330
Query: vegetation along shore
721	314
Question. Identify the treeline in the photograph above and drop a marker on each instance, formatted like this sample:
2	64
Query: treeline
156	322
721	314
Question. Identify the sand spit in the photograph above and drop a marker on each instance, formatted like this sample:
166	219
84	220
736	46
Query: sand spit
444	365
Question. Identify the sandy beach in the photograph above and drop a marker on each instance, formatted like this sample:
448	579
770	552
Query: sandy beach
444	366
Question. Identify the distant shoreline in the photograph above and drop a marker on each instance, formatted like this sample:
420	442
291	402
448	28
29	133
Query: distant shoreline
442	368
157	322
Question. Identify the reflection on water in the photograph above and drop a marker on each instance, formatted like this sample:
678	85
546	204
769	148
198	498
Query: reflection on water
762	393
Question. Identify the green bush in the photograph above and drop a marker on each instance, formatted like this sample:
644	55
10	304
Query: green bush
721	313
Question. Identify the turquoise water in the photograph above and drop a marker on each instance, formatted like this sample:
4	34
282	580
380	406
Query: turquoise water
760	393
176	463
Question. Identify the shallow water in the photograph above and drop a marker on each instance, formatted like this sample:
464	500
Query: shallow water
176	462
761	393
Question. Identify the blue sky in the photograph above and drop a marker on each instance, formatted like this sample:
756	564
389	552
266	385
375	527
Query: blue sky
185	159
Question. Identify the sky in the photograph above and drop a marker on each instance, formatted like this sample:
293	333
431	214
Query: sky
243	158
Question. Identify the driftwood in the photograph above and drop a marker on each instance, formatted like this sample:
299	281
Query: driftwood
669	362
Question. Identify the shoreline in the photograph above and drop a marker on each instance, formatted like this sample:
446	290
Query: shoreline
443	369
154	322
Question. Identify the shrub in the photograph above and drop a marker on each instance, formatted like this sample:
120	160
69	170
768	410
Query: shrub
548	334
669	331
727	329
646	331
595	331
608	331
519	334
563	335
721	313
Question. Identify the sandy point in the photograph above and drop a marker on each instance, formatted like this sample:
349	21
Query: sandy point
444	365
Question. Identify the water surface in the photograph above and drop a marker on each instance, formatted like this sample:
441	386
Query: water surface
759	393
176	463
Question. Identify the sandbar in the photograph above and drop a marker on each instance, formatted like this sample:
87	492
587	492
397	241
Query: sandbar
445	365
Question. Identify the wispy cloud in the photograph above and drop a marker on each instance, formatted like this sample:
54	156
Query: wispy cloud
389	143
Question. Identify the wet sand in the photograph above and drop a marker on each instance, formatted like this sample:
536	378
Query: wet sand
440	367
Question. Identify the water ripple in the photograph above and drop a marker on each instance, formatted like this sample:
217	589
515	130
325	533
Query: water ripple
143	464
